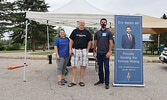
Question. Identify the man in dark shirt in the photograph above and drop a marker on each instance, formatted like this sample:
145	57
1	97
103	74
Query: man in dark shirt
103	42
80	42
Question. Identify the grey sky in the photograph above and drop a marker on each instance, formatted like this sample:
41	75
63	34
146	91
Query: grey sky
155	8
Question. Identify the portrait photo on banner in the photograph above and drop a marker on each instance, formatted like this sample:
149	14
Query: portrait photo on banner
128	34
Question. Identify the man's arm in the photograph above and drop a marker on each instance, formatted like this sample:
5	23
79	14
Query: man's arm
90	41
94	48
89	45
70	47
110	49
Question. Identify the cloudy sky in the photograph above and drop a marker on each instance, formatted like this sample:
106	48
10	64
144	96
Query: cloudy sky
154	8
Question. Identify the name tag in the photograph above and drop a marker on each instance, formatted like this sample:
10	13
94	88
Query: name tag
104	34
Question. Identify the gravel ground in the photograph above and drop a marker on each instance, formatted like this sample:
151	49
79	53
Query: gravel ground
42	83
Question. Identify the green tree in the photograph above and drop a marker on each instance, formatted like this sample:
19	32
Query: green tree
6	9
164	16
36	31
163	36
4	44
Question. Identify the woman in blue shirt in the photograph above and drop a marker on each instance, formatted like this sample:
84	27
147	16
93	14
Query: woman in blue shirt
61	47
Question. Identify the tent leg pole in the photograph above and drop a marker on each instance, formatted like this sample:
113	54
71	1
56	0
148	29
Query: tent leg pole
48	38
49	55
25	55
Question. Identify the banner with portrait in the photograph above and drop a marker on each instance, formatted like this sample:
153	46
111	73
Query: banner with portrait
128	65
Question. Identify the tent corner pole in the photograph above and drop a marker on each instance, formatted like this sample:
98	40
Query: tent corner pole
25	54
48	38
49	55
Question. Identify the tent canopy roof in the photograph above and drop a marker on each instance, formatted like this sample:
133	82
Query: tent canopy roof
70	14
153	25
153	22
79	7
75	10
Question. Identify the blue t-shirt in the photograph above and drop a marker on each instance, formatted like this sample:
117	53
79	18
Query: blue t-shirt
63	46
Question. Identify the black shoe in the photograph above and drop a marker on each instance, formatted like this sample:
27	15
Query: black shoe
71	84
61	83
107	86
63	80
98	83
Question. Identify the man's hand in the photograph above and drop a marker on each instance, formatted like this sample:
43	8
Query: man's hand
70	47
87	50
94	48
110	49
108	55
94	54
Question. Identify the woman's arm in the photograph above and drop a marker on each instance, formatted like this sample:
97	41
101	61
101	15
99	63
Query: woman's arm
56	51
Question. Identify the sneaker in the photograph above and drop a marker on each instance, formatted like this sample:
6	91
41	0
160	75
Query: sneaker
107	86
98	83
61	83
63	80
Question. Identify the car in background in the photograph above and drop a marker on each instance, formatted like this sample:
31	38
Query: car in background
163	56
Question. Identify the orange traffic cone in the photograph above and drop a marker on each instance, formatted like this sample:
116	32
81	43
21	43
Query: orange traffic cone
10	67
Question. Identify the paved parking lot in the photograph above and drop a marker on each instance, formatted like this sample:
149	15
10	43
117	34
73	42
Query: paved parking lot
42	83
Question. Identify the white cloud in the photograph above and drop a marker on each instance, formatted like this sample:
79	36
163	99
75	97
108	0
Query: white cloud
54	4
154	8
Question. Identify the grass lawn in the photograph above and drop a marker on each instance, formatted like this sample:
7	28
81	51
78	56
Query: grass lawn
37	52
151	55
144	54
11	51
40	52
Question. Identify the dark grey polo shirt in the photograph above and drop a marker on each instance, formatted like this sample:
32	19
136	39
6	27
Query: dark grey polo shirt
103	38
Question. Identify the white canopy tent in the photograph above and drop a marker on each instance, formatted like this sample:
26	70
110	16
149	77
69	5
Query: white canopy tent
76	10
71	13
